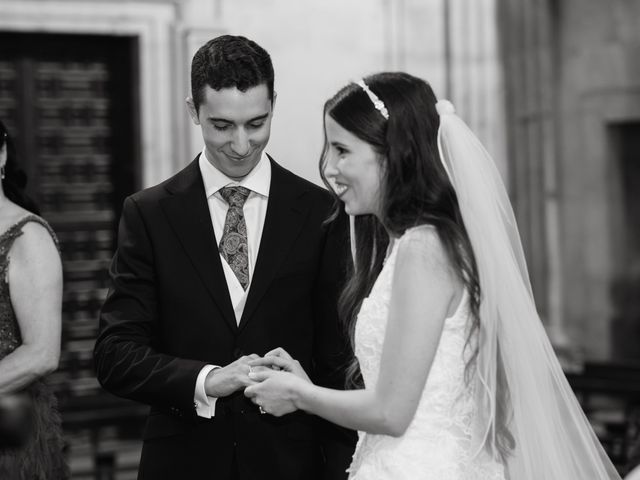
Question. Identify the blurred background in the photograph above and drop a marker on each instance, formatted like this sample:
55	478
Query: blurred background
93	92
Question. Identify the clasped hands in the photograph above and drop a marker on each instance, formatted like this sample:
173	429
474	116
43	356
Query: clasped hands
271	382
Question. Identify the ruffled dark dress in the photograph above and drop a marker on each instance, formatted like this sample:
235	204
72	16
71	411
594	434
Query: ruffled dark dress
41	458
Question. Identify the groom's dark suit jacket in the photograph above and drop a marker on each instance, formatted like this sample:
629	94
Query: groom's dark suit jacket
168	313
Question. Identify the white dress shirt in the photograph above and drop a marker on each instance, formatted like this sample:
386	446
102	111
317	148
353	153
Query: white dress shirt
258	181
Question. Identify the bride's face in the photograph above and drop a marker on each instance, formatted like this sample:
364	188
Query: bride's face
353	169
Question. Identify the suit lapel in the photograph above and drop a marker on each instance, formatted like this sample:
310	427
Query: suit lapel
284	219
188	214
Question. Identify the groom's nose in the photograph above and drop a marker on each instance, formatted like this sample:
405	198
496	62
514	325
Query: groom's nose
240	143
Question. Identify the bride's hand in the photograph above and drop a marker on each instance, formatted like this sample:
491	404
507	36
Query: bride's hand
279	359
275	391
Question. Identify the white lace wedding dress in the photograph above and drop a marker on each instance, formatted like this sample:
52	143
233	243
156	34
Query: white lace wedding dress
437	443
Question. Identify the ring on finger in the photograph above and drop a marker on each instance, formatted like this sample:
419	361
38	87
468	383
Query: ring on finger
262	410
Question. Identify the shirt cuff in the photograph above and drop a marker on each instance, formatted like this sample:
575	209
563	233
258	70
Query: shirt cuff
204	404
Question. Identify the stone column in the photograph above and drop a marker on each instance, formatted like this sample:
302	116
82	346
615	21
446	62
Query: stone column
528	36
474	72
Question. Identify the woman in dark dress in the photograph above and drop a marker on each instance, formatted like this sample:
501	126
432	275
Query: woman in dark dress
30	324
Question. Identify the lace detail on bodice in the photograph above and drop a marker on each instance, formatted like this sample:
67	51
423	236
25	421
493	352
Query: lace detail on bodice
9	331
437	443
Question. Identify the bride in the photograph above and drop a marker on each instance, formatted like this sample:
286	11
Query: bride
458	379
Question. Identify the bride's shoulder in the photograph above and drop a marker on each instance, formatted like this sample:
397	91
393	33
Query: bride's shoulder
422	241
422	254
424	233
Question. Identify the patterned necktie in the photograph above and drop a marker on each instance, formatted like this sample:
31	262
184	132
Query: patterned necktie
233	244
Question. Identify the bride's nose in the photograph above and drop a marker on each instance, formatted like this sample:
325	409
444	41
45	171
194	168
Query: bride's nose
330	170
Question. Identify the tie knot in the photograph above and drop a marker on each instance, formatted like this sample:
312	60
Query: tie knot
235	196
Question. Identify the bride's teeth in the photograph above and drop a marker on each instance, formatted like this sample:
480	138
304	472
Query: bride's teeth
340	189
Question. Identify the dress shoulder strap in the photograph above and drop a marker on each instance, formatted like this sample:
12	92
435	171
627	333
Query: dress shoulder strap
14	231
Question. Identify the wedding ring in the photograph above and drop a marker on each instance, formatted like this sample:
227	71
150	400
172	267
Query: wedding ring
262	410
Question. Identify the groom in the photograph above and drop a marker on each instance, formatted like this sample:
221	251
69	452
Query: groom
225	261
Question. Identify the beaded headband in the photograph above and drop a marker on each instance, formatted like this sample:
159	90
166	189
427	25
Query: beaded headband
379	104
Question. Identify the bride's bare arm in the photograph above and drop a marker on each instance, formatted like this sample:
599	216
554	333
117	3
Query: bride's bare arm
425	291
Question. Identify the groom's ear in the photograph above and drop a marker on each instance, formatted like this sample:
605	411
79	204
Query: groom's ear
273	100
193	112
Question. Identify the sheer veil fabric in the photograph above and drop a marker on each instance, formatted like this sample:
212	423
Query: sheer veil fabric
552	438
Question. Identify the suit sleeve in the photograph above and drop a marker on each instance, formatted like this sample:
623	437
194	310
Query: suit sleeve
127	364
332	350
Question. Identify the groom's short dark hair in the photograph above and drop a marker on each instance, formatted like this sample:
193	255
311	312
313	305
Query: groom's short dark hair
230	61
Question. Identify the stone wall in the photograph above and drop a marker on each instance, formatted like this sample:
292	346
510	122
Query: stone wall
317	46
599	87
572	74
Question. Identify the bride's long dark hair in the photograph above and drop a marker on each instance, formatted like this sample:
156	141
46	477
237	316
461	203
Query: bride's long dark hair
415	190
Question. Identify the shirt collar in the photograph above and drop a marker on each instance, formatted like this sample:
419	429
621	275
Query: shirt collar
258	180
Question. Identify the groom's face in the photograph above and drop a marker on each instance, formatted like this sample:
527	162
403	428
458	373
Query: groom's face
235	127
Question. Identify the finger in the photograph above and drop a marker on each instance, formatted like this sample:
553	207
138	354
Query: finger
279	363
258	365
246	358
250	392
259	368
261	375
274	363
265	362
275	352
246	381
279	352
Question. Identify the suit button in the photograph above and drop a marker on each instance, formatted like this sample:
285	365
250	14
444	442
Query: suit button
237	353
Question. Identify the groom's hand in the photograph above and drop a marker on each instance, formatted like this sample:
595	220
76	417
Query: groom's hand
221	382
279	359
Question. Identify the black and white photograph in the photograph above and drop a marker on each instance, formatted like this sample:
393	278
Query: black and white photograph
319	239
